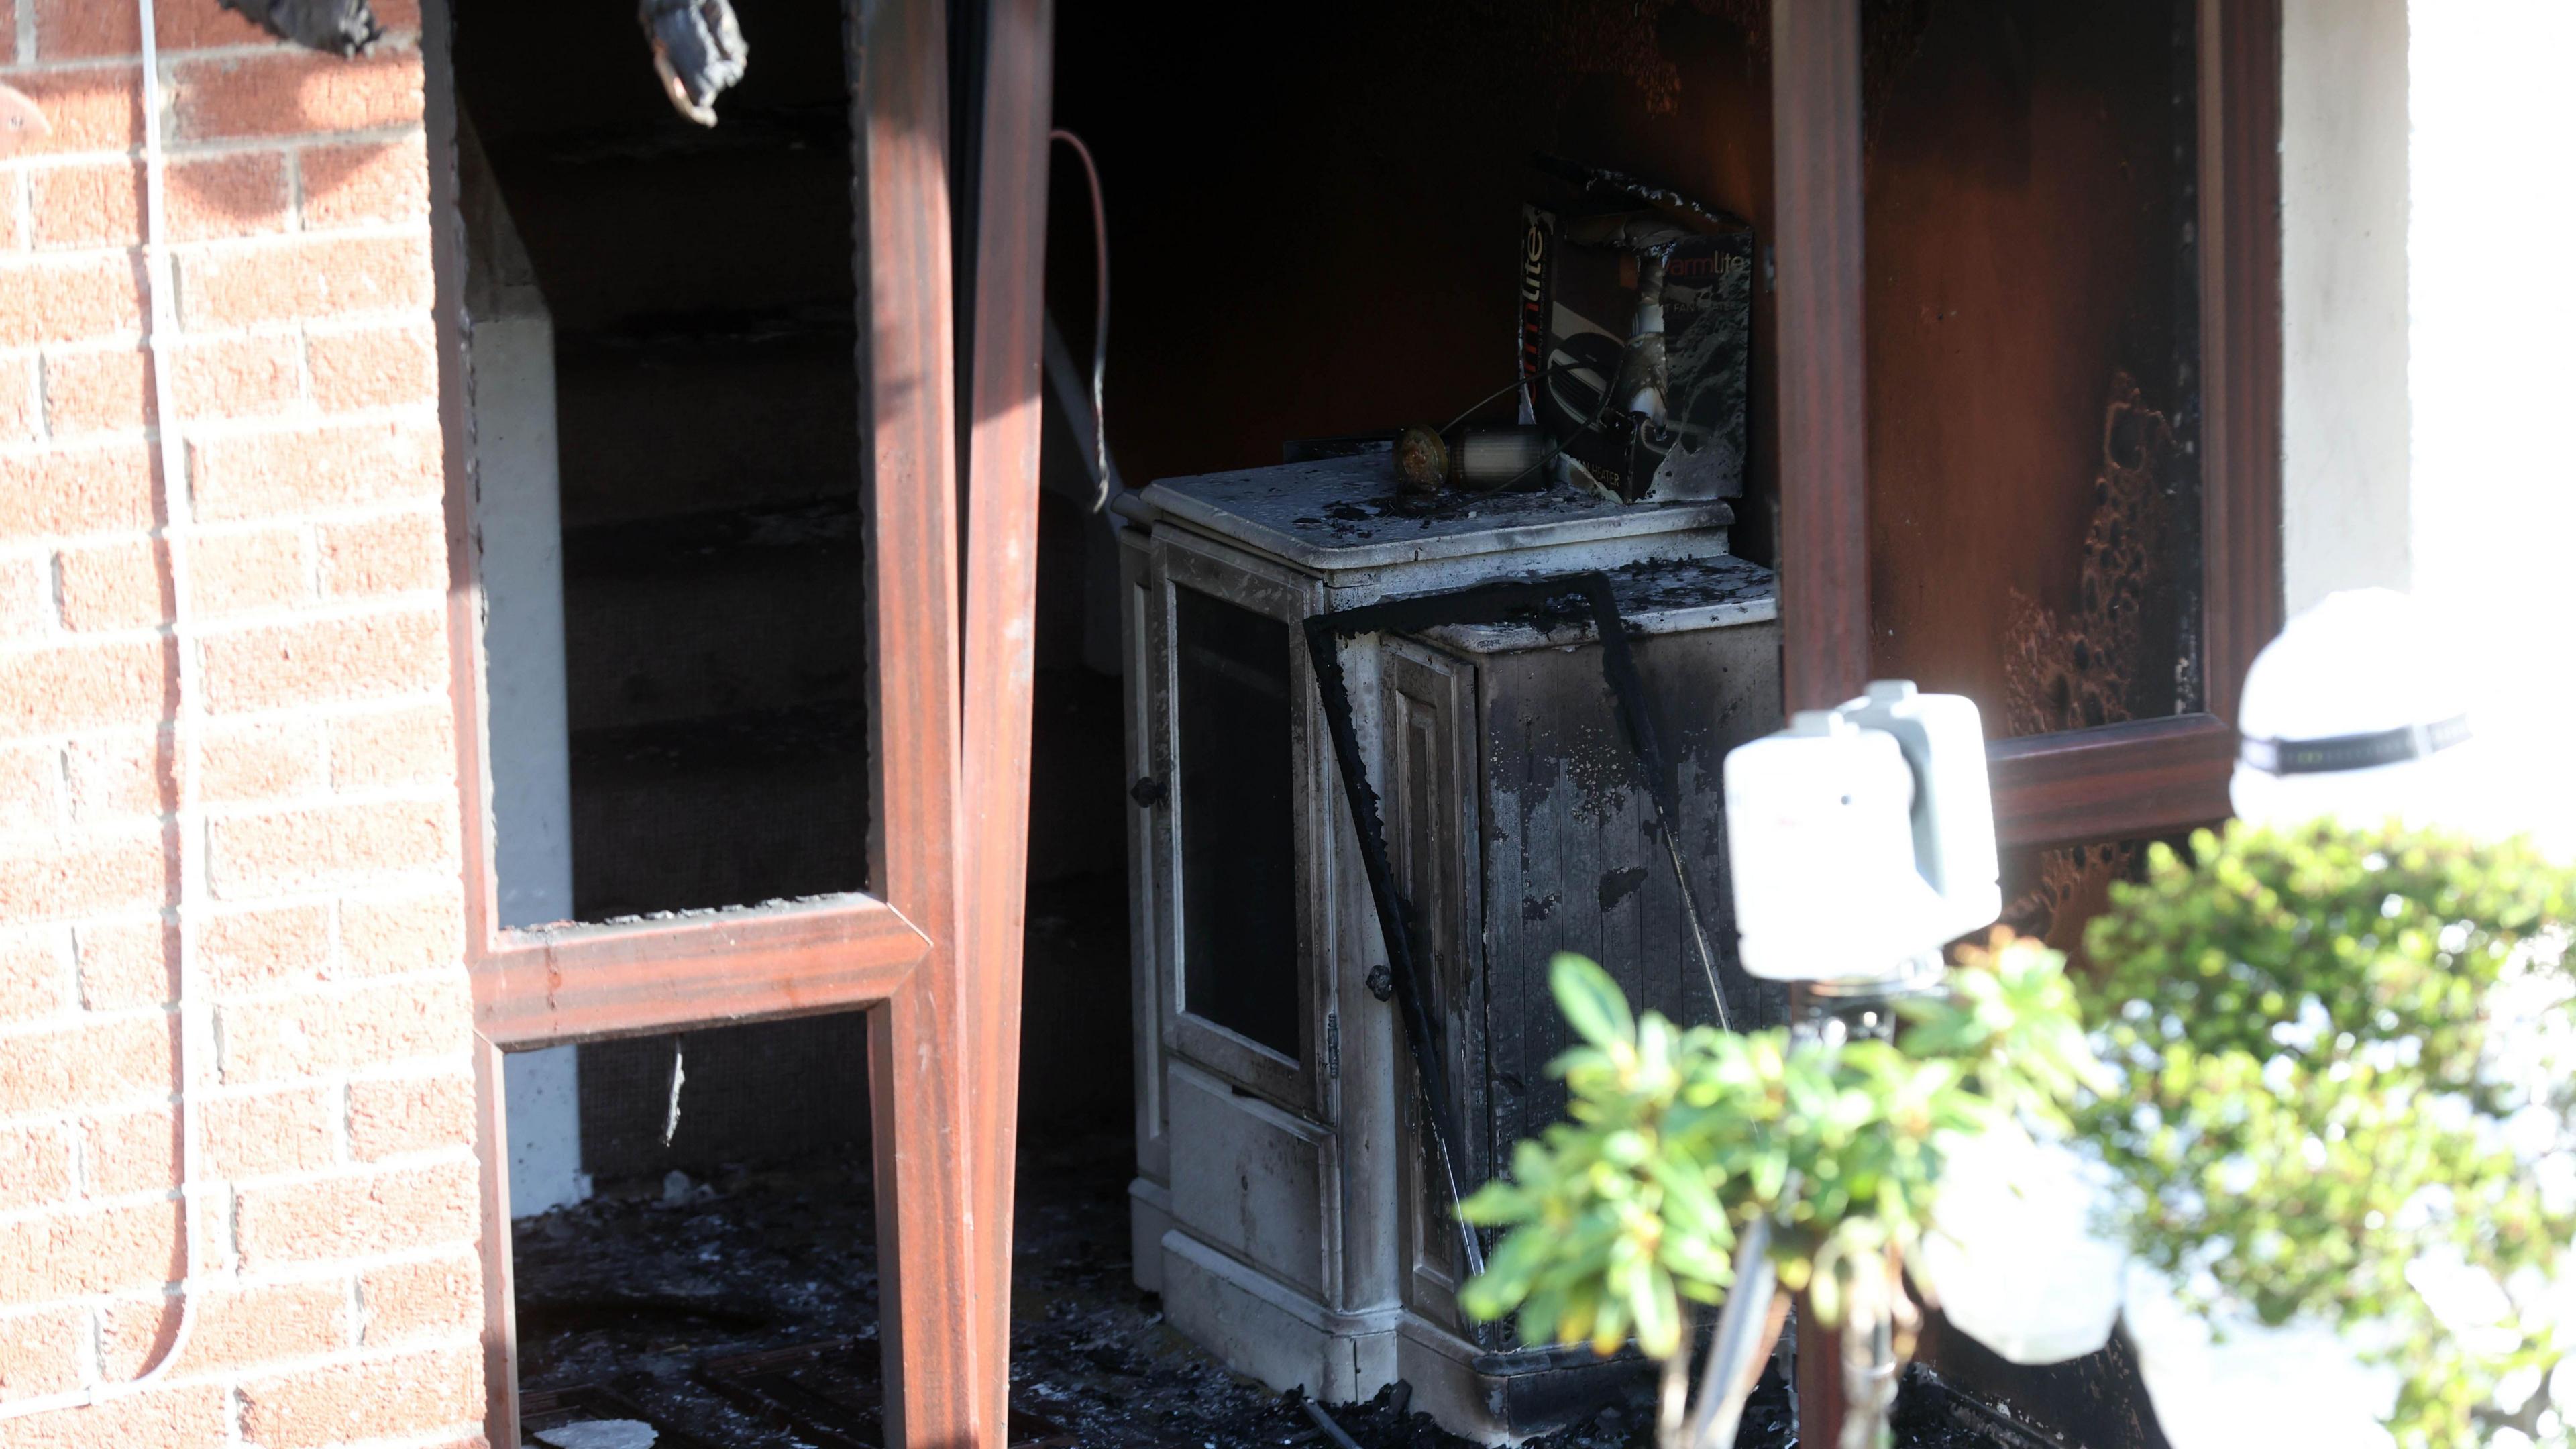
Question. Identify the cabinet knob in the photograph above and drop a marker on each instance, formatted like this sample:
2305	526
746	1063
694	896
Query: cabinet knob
1148	792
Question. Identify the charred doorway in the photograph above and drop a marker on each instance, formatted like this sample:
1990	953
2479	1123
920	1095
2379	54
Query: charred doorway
662	327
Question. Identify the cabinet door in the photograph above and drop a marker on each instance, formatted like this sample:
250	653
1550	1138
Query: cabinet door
1434	847
1243	890
1149	846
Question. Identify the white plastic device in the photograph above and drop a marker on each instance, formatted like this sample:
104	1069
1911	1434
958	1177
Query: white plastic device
1862	838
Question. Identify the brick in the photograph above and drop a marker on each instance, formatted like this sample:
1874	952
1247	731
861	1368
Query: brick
35	1171
403	1301
26	602
86	206
317	1033
400	554
361	1214
210	197
112	586
46	691
9	33
296	92
373	366
228	196
35	975
310	662
251	572
19	410
413	1394
86	1249
340	465
86	30
97	391
273	1134
86	1064
421	933
110	390
367	181
30	788
40	1353
73	29
410	1114
247	949
67	299
128	964
326	847
89	879
236	377
127	1154
91	108
235	1328
244	284
75	491
264	760
124	777
191	1414
406	747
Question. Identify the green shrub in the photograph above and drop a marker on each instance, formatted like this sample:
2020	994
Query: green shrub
1624	1217
2316	1093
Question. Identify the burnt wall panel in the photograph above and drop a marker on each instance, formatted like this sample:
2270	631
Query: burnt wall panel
2032	357
1559	792
1315	213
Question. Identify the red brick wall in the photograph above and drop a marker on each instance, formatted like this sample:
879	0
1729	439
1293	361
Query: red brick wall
339	1297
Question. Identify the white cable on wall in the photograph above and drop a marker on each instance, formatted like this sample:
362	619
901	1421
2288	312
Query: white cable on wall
177	532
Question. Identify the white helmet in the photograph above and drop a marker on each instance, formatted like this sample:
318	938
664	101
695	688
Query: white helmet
2359	710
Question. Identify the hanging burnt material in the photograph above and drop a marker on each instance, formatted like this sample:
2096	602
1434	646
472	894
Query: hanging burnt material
698	49
342	27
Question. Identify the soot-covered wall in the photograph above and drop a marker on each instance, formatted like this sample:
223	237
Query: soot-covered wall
1315	215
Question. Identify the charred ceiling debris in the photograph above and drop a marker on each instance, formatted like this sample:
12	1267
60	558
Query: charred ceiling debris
698	48
341	27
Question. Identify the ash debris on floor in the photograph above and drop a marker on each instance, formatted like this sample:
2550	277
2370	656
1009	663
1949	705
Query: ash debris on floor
634	1297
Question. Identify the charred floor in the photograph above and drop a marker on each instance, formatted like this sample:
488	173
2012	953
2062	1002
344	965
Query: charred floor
740	1312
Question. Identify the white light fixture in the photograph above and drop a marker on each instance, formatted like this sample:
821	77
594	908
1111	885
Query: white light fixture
2358	712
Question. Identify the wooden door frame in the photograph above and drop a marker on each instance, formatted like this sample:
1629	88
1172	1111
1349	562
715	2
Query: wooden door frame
2141	778
932	956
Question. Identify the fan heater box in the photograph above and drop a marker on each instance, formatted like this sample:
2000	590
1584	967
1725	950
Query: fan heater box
1288	1204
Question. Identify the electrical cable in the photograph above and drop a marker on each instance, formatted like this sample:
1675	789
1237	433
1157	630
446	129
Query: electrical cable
1512	386
177	529
1099	314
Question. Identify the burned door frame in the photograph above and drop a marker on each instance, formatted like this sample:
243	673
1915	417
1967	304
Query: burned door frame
2141	778
932	955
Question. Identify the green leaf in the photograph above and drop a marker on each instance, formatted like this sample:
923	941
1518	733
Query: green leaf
1593	1003
1652	1302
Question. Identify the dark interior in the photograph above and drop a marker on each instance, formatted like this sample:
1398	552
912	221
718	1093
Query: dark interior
704	307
